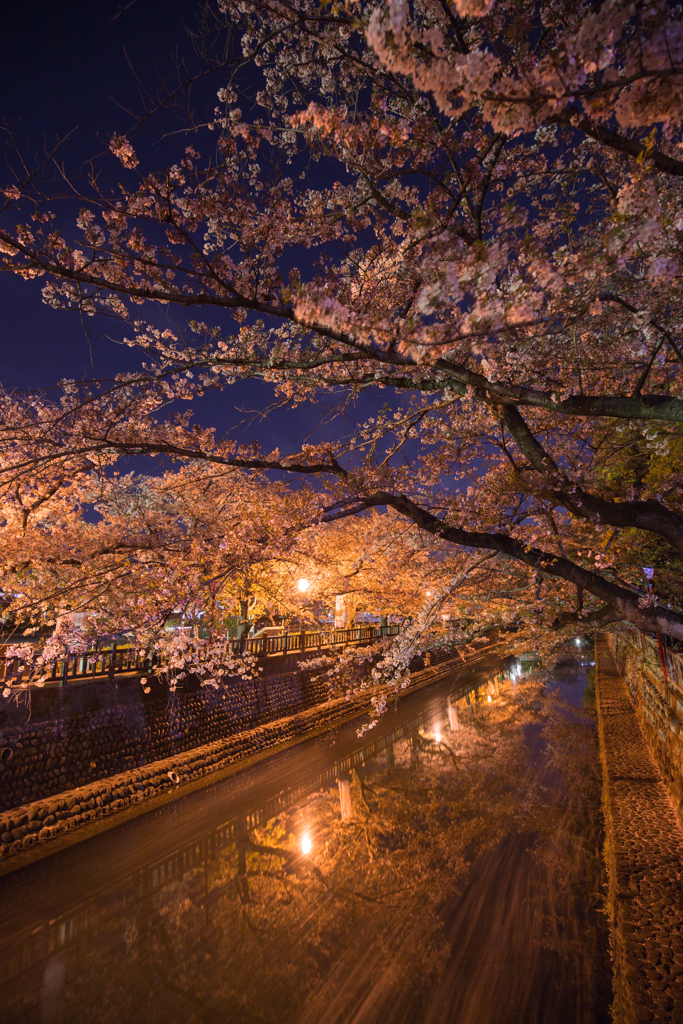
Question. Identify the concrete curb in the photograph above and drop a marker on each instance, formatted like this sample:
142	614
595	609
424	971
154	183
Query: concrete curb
644	854
34	830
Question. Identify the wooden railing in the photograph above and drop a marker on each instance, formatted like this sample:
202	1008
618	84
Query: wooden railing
124	660
88	664
262	646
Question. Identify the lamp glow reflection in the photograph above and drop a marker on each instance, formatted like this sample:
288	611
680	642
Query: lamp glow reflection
306	845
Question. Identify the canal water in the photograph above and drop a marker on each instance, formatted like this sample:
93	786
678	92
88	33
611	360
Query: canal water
445	867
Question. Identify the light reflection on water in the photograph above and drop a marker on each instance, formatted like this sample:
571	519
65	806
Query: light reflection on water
446	868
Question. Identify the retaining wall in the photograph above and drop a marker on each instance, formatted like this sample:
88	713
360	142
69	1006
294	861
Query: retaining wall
72	736
658	704
51	818
644	853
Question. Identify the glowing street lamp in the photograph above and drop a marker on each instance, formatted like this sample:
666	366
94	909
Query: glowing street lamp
437	737
306	845
302	586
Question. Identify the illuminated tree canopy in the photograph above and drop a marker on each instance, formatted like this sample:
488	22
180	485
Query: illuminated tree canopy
473	206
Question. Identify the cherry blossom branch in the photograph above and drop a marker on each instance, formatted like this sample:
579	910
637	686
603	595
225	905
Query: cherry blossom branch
652	516
621	143
625	603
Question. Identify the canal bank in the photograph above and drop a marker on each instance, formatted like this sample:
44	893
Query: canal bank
644	854
36	829
269	896
58	738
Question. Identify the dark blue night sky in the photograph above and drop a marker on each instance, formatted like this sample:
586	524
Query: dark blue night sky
64	69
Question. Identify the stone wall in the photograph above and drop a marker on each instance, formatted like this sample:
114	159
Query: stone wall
644	854
56	739
25	828
80	734
658	704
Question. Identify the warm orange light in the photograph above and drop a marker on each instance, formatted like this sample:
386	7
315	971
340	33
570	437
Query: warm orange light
303	585
306	845
437	737
489	698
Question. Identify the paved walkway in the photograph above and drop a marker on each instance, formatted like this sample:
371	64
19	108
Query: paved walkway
645	860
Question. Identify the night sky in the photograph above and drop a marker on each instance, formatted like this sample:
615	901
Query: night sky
63	66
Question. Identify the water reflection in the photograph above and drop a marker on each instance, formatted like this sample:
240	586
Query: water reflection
346	896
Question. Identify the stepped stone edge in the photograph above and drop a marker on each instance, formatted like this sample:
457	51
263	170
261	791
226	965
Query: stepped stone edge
97	806
645	899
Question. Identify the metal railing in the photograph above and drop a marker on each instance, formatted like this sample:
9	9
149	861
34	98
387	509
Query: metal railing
84	665
123	660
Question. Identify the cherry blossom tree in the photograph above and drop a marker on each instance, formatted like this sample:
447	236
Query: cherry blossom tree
476	207
125	554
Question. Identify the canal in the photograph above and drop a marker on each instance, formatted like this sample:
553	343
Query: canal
445	867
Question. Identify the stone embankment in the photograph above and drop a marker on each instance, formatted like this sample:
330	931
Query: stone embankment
51	817
58	738
86	732
644	850
658	702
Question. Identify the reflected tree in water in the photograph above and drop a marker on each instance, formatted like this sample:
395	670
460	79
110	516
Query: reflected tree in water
265	932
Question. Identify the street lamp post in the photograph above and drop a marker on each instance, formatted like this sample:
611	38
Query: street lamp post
302	587
213	587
